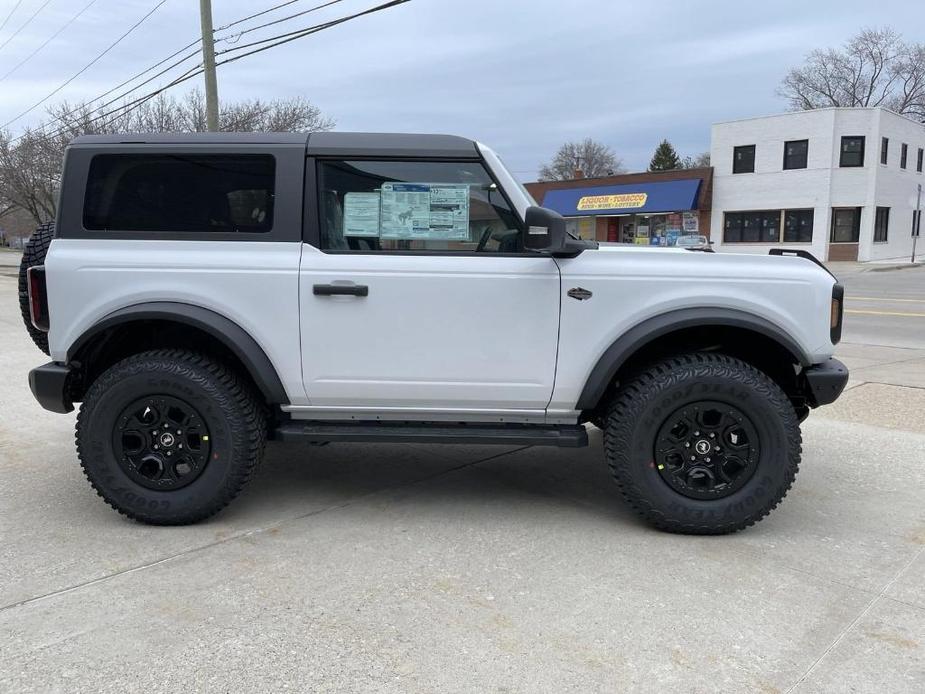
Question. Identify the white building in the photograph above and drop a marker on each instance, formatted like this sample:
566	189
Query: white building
841	183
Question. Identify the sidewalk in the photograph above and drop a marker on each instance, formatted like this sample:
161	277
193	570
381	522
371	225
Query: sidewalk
855	267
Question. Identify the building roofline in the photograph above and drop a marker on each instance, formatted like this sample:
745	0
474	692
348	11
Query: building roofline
697	172
817	110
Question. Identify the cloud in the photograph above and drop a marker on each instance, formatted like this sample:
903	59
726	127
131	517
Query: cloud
521	76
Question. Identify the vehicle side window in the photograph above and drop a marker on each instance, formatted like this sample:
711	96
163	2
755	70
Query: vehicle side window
180	193
376	206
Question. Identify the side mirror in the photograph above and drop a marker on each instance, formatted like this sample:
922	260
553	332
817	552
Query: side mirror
545	233
545	229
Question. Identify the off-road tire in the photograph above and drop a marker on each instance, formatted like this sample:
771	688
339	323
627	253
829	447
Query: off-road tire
34	254
646	401
228	405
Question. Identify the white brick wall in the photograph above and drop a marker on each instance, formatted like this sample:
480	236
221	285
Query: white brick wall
823	184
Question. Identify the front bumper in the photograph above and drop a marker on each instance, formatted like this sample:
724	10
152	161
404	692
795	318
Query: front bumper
823	383
48	384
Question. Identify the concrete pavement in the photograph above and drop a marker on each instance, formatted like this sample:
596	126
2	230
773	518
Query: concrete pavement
462	568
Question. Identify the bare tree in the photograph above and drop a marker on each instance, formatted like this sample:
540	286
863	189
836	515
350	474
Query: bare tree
29	171
30	165
699	161
874	68
591	158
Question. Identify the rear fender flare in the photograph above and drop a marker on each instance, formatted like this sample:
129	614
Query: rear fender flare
226	331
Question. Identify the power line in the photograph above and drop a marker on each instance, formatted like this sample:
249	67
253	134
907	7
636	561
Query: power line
153	67
61	118
173	55
24	24
276	21
197	70
15	7
48	40
258	14
299	33
85	67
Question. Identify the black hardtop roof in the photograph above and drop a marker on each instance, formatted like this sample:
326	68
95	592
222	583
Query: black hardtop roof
337	144
191	139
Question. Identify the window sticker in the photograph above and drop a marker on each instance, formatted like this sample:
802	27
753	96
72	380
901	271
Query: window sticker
361	214
425	211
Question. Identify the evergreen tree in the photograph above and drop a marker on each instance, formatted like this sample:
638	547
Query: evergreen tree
665	158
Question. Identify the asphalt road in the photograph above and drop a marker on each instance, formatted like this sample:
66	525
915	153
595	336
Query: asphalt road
394	568
884	306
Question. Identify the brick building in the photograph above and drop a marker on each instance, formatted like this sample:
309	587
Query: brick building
651	208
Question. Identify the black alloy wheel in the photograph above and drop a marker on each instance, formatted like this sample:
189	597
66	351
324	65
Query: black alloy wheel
702	443
161	442
707	450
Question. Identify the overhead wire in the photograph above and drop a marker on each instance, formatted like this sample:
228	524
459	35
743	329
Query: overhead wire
299	33
248	30
258	14
24	24
85	67
198	69
51	38
176	53
10	14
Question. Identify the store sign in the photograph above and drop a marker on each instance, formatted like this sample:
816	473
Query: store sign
612	202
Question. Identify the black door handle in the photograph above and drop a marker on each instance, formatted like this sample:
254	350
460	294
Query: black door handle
345	289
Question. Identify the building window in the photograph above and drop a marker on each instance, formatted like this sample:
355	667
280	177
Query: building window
846	224
743	159
798	226
916	222
903	155
884	149
852	151
757	226
881	224
918	162
795	153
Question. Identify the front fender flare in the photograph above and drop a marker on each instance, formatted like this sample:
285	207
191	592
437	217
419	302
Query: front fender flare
226	331
639	335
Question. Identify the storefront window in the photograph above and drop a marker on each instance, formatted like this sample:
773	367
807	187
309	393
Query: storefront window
798	226
757	226
846	224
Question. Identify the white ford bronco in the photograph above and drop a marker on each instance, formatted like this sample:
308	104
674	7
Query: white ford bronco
200	294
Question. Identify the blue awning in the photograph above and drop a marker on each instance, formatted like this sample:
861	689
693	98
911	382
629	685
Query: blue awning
666	196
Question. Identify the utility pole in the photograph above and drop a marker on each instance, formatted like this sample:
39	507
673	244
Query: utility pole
917	227
208	64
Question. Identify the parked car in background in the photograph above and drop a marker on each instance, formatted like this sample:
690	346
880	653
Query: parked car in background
694	242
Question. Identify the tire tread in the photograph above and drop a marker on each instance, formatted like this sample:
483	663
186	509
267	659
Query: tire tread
632	397
232	391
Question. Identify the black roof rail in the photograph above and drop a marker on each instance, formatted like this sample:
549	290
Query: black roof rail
800	253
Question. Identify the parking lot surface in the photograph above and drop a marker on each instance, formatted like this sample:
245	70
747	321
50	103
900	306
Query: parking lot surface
474	569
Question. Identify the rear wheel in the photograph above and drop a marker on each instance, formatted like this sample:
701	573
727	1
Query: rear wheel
702	444
34	254
169	437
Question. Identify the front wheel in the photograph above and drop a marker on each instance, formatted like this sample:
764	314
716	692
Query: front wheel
702	444
169	437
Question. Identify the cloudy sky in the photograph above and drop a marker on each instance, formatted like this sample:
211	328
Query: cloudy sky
521	75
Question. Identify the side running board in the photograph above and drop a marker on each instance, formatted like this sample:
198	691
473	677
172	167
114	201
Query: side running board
566	436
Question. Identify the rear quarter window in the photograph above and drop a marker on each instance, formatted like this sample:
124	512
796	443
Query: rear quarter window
194	193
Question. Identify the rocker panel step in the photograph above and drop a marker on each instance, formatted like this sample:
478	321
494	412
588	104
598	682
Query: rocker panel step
566	436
